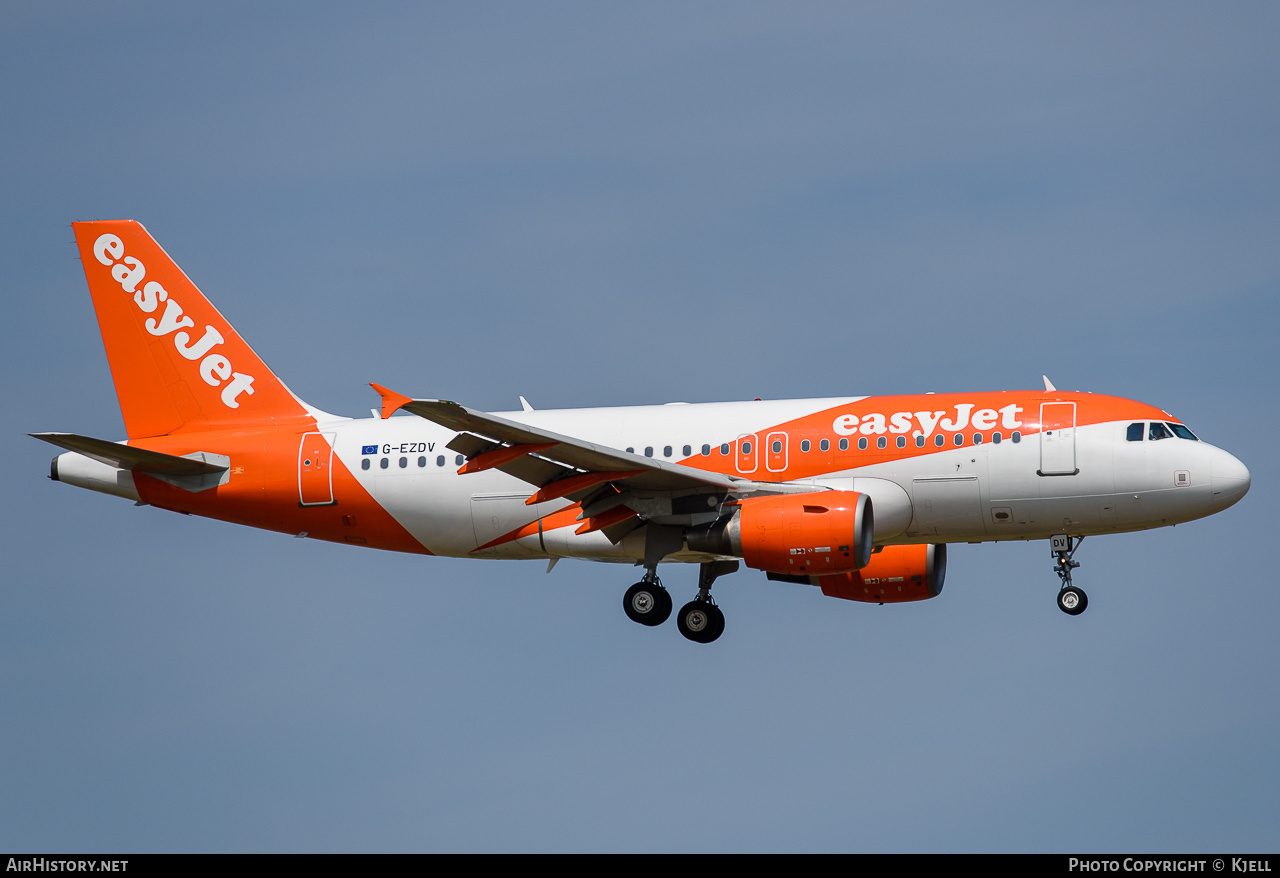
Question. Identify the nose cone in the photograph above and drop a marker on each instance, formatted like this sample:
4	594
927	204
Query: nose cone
1228	478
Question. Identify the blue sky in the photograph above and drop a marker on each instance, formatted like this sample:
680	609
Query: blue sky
594	204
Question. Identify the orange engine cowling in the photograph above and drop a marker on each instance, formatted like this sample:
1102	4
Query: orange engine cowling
896	574
794	534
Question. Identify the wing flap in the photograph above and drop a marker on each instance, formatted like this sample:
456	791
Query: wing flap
615	532
535	470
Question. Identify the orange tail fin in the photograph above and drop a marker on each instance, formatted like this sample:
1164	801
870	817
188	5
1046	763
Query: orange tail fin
178	365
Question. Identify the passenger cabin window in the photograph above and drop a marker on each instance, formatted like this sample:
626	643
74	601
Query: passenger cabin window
404	462
440	460
862	444
364	464
383	463
902	441
1135	431
1158	431
881	442
804	445
648	451
844	444
422	461
777	446
706	451
1015	437
687	451
938	440
824	445
666	451
724	449
996	438
919	442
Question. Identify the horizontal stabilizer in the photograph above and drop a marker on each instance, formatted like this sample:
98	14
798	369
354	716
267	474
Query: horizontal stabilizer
134	459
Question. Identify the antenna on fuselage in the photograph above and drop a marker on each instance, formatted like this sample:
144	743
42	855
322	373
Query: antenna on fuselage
1048	385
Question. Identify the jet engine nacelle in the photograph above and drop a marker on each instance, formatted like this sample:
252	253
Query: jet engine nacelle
794	534
896	574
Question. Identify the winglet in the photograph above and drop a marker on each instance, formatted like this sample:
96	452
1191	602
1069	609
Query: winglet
391	401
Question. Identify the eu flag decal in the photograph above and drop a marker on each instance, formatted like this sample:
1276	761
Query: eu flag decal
369	449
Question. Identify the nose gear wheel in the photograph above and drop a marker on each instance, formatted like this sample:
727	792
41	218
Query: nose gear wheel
1071	599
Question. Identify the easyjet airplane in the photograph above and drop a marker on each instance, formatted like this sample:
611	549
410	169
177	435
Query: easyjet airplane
856	495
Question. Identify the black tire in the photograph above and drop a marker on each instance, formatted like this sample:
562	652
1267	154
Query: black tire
1072	600
700	621
663	612
718	621
647	603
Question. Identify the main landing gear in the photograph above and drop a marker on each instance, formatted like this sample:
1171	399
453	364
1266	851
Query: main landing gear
700	620
647	602
1071	600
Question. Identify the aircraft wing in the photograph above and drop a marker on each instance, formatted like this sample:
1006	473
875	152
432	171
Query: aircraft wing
603	478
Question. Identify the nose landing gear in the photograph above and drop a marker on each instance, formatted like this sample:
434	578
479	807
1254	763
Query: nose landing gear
1071	600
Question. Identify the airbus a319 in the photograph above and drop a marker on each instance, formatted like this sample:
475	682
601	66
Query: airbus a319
856	495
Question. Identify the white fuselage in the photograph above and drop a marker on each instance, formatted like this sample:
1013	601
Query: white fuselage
975	492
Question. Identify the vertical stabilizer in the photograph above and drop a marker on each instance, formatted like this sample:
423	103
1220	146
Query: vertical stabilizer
178	365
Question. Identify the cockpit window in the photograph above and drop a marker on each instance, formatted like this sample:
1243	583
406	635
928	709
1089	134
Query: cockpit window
1182	432
1135	432
1158	431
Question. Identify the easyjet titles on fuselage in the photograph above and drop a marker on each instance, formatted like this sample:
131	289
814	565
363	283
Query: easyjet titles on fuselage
214	367
898	423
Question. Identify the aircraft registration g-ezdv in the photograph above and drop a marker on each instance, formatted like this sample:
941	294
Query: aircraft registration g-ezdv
858	496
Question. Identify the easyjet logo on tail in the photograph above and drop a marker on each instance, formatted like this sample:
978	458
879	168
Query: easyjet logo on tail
215	369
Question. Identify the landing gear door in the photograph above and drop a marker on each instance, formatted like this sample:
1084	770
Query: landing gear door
315	469
1058	439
